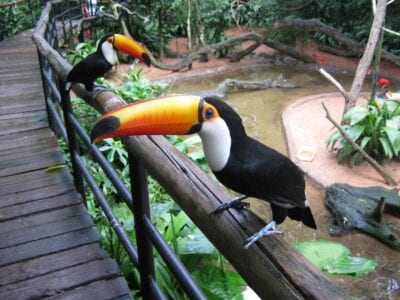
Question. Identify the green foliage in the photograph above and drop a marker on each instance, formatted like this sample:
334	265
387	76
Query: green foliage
374	126
135	86
80	52
18	17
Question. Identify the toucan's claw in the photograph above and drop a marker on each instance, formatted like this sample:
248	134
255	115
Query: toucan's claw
236	203
269	229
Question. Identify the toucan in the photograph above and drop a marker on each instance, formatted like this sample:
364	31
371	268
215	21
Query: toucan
240	162
97	64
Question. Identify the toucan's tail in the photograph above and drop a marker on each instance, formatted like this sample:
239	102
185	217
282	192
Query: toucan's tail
302	214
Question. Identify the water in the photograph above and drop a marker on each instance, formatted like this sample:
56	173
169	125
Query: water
261	114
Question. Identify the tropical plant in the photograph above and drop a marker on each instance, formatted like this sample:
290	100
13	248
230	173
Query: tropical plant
80	52
374	126
135	86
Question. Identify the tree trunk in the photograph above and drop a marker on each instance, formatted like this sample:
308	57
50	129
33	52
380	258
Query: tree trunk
366	59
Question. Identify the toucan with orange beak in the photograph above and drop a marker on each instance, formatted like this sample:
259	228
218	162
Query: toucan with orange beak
97	64
238	161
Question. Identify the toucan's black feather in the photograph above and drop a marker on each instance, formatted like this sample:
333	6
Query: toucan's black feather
256	170
93	66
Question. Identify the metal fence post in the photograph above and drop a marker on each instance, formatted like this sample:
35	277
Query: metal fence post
141	208
46	91
72	142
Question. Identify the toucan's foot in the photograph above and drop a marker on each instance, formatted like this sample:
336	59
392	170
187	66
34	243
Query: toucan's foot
236	203
269	229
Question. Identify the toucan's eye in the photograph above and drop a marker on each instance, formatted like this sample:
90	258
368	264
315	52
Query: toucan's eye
110	40
208	114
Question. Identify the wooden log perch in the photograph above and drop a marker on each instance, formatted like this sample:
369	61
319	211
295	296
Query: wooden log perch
385	175
362	209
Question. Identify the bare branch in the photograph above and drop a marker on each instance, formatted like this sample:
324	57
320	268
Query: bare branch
334	82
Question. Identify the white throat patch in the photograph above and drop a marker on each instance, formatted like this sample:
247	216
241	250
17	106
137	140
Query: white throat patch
109	52
217	142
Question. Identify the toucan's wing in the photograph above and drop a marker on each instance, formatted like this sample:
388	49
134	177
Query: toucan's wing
271	176
90	68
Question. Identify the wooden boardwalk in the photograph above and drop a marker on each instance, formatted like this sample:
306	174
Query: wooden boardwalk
48	245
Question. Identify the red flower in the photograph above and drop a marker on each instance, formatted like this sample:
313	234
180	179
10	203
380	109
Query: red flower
383	82
314	54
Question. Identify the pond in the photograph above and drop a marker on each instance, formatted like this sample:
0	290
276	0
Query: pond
261	114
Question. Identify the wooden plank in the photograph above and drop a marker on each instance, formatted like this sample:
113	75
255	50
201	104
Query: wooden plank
29	150
26	138
21	115
36	161
32	180
33	105
24	127
47	246
36	194
22	98
60	260
18	120
21	87
18	237
32	207
66	279
43	218
105	289
56	176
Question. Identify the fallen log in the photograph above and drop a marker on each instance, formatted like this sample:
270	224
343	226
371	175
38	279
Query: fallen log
236	85
362	209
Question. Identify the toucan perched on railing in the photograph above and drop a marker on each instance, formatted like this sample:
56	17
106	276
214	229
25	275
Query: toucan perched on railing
237	160
97	64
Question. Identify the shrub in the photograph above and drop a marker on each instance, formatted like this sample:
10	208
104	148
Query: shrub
374	126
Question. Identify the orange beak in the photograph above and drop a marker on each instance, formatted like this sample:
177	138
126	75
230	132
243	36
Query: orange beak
180	114
131	47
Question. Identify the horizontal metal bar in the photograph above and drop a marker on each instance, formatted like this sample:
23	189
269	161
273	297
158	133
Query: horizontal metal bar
116	225
102	161
56	117
173	263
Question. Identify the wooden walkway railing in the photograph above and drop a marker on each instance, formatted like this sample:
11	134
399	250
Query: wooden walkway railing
48	246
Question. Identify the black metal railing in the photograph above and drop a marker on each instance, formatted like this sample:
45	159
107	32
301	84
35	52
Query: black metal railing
147	236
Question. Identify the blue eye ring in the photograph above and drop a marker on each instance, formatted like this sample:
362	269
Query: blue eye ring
208	114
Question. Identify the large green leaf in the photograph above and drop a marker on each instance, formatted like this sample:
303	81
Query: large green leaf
322	253
334	258
352	265
391	108
394	139
195	243
354	132
386	146
356	114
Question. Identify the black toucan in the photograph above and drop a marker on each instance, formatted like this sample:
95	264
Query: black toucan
97	64
238	161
